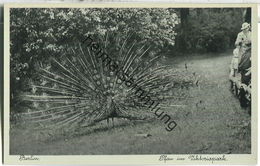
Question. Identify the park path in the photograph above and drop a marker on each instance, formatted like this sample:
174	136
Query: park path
211	122
217	122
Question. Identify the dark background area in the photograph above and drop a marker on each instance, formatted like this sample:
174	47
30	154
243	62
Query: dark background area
209	30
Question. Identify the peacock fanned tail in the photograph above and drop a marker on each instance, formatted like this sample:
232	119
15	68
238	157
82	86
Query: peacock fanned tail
79	88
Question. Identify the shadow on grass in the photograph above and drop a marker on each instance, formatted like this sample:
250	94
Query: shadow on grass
27	133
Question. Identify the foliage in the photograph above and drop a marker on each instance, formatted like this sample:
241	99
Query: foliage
210	30
38	34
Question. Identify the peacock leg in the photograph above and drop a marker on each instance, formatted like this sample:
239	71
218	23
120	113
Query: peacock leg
113	121
107	121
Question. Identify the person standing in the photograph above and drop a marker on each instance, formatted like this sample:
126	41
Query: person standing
243	44
243	41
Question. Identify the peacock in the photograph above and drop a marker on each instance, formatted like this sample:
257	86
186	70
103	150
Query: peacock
78	89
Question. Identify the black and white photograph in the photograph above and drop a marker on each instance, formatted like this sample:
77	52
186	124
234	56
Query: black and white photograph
131	81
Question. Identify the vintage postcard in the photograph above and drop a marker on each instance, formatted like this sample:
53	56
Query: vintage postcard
130	84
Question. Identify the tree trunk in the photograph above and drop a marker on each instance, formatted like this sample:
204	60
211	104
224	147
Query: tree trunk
247	16
184	13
